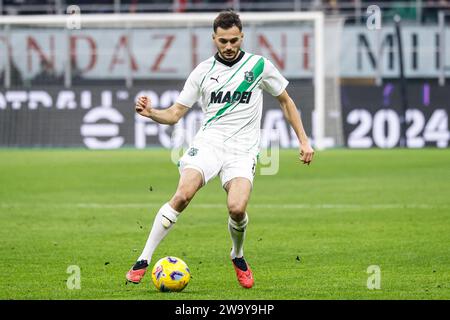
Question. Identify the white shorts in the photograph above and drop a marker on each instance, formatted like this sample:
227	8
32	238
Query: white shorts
212	160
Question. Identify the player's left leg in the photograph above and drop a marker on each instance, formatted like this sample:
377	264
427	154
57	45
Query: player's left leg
239	190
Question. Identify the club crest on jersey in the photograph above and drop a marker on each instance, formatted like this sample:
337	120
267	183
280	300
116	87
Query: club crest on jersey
192	151
249	76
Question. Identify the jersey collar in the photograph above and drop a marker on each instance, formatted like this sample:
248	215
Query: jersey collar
229	63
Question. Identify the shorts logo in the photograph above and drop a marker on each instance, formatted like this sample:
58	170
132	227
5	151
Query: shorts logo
192	151
249	76
254	168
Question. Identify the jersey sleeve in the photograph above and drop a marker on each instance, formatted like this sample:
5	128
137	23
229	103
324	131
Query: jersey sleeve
273	81
191	90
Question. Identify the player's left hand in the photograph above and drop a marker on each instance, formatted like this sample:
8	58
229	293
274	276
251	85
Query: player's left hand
306	154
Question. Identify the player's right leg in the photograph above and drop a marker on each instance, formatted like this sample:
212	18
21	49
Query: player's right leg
191	180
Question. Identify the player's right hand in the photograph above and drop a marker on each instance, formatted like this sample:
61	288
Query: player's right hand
143	106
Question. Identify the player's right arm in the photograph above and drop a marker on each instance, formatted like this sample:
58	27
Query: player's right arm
188	96
169	116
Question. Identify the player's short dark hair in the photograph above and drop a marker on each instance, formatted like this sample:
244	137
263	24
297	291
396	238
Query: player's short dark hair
226	20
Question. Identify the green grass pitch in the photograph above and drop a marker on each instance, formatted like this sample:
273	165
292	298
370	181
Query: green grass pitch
313	230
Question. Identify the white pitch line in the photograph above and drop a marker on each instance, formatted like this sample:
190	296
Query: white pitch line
323	206
275	206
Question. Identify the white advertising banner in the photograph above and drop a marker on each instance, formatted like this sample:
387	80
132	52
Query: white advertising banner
153	54
173	53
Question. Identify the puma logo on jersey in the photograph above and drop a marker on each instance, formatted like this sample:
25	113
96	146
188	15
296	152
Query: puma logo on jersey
220	97
216	79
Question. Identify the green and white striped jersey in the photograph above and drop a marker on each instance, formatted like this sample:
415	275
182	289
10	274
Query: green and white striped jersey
230	95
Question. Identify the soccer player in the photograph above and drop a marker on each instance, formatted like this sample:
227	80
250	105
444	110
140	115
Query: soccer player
229	88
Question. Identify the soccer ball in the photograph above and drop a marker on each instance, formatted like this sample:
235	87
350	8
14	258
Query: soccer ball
170	274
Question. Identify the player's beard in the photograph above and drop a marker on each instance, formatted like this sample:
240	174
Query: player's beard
229	57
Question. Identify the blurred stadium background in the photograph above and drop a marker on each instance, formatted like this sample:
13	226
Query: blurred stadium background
51	72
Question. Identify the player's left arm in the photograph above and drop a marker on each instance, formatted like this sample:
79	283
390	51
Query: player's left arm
293	117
